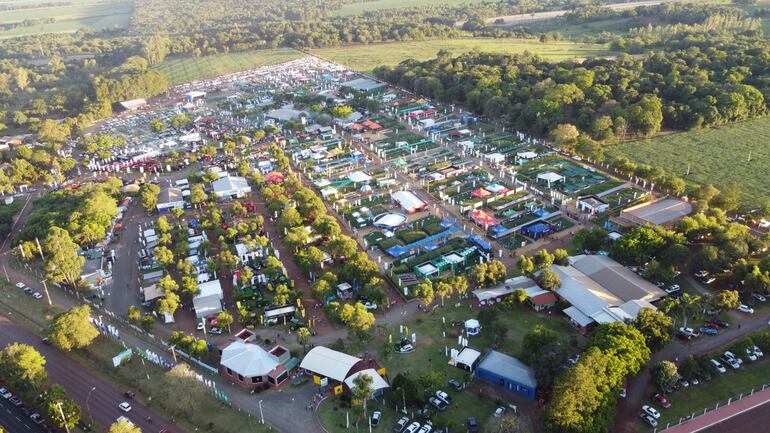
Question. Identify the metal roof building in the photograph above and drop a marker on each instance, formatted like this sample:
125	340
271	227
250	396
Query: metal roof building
508	373
325	362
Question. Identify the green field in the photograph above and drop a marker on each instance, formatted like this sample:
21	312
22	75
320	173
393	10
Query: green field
96	15
361	7
367	57
718	156
184	70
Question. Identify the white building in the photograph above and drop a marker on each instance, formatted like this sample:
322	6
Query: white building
209	301
231	187
170	198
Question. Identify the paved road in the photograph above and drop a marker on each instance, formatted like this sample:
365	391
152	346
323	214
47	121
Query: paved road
13	420
750	414
639	386
753	421
104	398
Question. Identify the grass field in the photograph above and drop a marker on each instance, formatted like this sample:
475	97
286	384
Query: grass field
361	7
183	70
92	14
367	57
718	156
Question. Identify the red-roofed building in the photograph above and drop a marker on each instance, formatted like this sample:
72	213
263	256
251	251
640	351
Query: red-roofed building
275	177
542	301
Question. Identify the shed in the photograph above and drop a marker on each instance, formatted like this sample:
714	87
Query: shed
378	383
508	373
323	362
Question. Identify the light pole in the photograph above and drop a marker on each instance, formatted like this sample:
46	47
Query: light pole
261	416
88	408
47	295
64	419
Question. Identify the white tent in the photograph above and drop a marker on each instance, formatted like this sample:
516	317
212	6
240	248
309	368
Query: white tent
326	362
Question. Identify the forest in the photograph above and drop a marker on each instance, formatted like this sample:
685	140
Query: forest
604	98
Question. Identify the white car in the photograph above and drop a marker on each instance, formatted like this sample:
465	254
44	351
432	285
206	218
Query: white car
125	407
425	429
444	396
5	393
200	326
731	355
651	411
758	352
689	332
406	348
413	427
717	366
37	295
124	419
649	420
20	285
750	355
215	331
499	411
743	308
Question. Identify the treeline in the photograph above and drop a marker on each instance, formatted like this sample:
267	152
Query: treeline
604	98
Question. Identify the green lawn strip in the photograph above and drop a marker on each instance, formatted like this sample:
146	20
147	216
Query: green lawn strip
719	156
722	387
367	57
185	69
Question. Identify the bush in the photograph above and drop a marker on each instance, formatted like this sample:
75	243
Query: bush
409	236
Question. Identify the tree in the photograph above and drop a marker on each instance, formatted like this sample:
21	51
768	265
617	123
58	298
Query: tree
687	305
362	390
124	426
425	292
488	273
542	259
646	116
73	329
169	303
326	226
549	280
296	238
534	340
303	337
561	257
689	369
623	342
147	322
590	240
342	246
655	326
63	264
565	134
526	266
665	375
197	195
362	320
133	313
727	299
181	389
164	256
225	319
56	403
53	132
443	289
23	366
148	196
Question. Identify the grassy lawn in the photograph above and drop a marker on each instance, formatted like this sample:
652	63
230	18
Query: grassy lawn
361	7
183	70
718	156
91	14
706	395
431	343
367	57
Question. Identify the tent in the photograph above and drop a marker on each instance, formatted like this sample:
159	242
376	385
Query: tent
480	193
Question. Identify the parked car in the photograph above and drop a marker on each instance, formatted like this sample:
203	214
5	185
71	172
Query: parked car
708	330
444	396
16	401
757	352
36	418
215	331
37	295
376	417
499	411
200	326
425	428
694	381
702	274
684	383
401	424
125	407
661	400
473	425
734	356
683	337
454	383
743	308
437	403
734	364
21	285
412	428
651	411
672	289
689	331
750	355
5	393
124	419
649	420
718	323
759	297
404	348
28	291
717	366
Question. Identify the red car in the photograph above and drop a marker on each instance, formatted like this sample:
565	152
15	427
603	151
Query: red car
661	400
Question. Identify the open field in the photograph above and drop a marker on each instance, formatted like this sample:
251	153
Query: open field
183	70
367	57
92	14
361	7
718	156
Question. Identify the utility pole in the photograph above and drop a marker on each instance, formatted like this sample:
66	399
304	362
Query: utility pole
88	408
261	416
47	295
66	427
